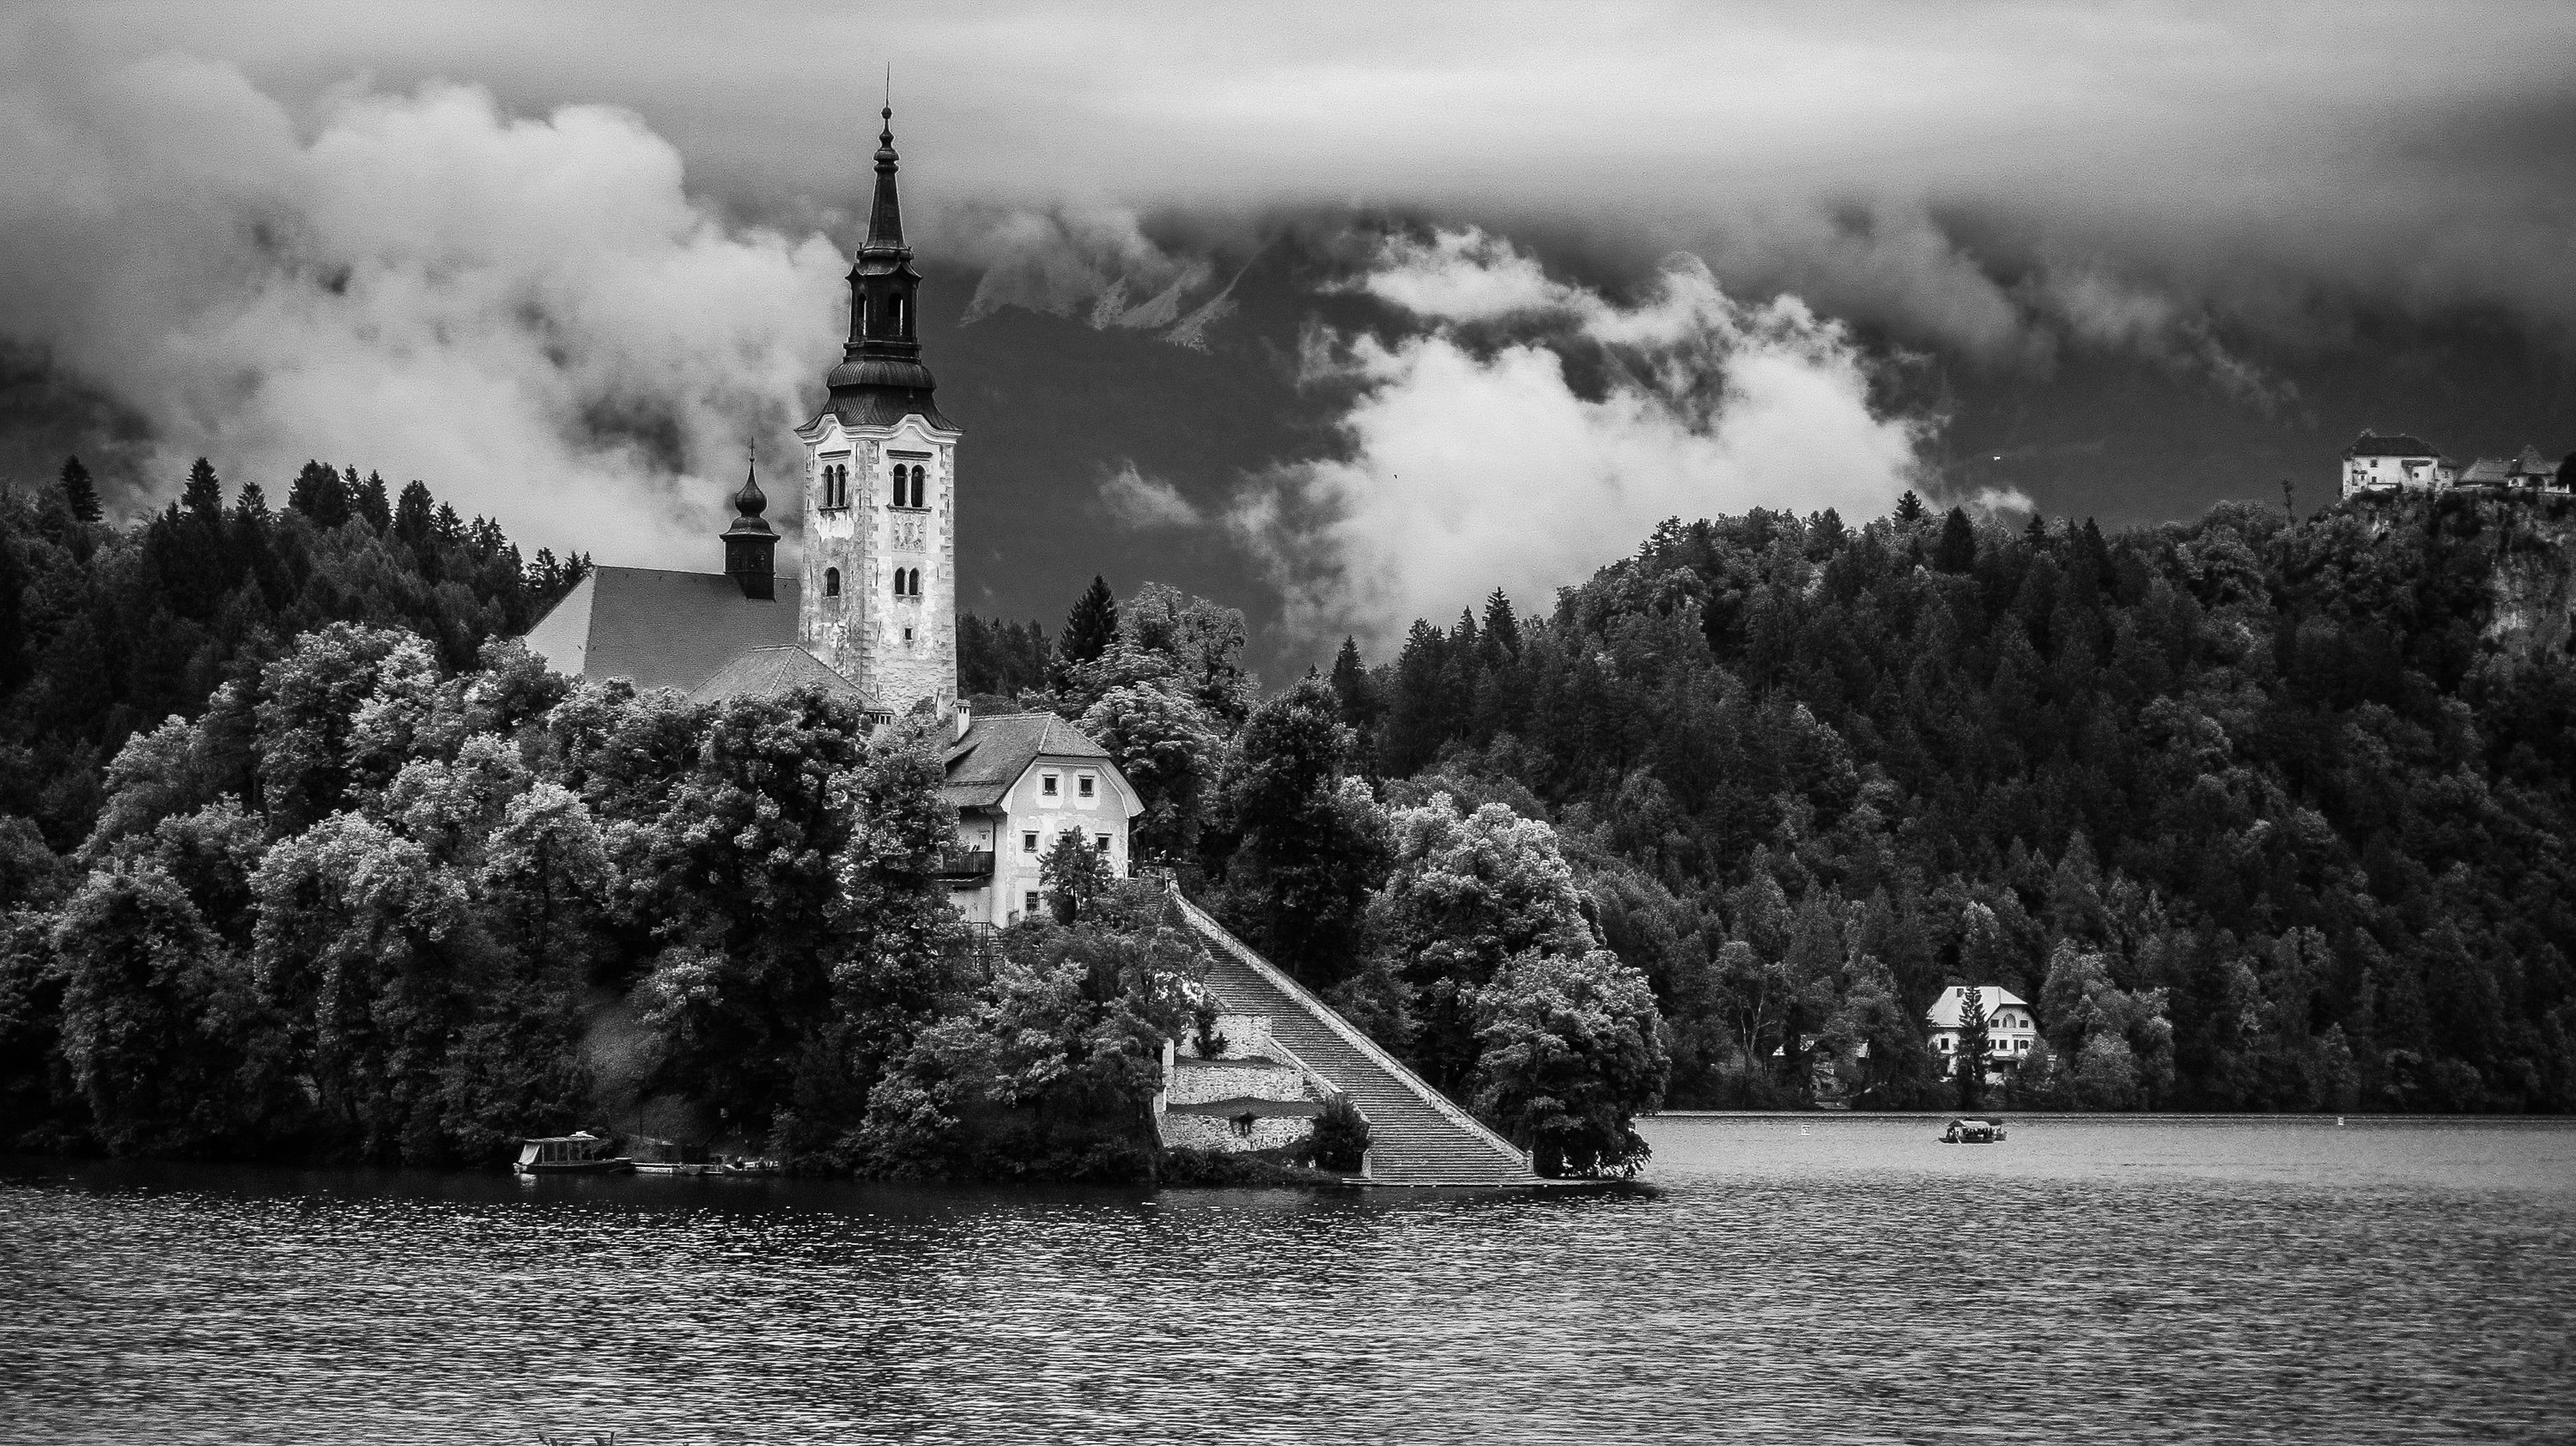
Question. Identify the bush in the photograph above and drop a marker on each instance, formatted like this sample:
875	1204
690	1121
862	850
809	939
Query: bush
1341	1136
1220	1168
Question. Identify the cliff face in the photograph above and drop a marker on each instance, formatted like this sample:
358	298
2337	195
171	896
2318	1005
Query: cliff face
2532	589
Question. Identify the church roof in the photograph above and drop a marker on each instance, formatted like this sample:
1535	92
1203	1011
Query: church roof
658	629
984	764
774	673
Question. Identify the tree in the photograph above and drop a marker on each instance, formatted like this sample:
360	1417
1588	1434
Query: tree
1074	874
1165	745
80	494
1089	629
203	497
1570	1050
1311	845
1909	508
319	493
1972	1048
367	500
157	1017
1957	550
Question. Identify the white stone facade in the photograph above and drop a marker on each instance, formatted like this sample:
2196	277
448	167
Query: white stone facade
865	544
1246	1099
1089	797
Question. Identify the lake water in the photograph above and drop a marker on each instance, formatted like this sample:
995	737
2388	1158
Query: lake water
1818	1278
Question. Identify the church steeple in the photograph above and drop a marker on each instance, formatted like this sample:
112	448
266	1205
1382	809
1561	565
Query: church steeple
751	545
881	378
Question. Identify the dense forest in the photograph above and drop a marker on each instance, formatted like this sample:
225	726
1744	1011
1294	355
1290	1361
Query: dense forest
2259	815
107	630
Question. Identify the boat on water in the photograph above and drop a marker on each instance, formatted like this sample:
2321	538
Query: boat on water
740	1165
579	1153
677	1167
1972	1130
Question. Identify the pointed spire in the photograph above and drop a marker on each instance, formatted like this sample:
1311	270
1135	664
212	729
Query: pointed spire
885	214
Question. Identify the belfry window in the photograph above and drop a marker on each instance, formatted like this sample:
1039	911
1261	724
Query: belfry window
831	582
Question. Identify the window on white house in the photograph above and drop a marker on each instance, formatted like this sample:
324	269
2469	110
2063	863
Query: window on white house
1046	785
1102	843
1029	842
1030	905
1082	785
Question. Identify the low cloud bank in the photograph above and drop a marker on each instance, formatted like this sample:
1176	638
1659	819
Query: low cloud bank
531	315
1472	460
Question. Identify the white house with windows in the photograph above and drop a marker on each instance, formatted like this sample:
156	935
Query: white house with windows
2011	1028
1018	781
2399	463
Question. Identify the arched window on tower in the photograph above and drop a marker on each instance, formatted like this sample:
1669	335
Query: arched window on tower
894	316
917	487
831	582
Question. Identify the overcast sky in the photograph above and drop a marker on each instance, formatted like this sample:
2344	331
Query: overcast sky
1342	313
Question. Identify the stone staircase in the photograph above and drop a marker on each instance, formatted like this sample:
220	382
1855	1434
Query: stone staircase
1416	1135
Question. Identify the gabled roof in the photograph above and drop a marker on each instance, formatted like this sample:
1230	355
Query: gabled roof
984	764
658	629
2486	471
774	673
2371	444
1945	1011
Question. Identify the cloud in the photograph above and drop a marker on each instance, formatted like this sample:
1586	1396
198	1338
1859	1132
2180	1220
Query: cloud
2104	311
1471	461
1141	503
529	314
1094	260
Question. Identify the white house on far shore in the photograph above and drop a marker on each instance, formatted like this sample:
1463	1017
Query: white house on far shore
2010	1027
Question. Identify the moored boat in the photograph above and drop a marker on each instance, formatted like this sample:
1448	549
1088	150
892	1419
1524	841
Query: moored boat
1972	1130
579	1153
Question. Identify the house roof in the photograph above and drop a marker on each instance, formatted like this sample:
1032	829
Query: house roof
2532	464
1945	1011
2486	470
2371	444
658	629
774	673
984	764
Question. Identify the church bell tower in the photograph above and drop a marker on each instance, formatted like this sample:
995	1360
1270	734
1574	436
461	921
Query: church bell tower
879	601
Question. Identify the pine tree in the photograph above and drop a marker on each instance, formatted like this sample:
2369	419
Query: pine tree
371	503
413	514
79	492
204	494
1972	1048
252	504
1958	548
2037	532
1089	629
1909	508
1502	628
319	493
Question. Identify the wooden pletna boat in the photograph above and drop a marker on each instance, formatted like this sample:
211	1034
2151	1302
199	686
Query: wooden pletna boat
1973	1130
670	1157
579	1153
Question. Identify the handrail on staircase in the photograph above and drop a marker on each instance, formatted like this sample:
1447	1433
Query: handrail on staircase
1332	1019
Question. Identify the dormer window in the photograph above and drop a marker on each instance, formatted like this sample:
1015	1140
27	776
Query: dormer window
831	582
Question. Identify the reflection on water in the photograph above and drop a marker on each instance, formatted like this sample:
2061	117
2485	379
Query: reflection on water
1832	1279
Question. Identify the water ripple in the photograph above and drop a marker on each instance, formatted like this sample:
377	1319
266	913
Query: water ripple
1842	1280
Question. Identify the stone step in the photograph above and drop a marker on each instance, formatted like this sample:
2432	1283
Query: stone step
1412	1140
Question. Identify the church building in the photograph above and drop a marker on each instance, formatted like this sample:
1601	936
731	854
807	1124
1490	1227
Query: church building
871	612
